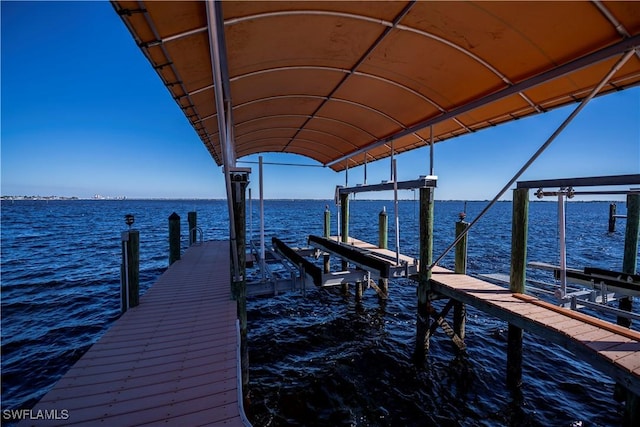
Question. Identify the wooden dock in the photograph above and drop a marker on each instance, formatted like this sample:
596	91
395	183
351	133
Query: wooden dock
172	360
612	349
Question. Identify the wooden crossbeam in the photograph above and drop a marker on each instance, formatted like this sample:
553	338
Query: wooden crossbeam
444	325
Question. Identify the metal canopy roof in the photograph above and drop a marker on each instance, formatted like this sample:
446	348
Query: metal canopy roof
342	81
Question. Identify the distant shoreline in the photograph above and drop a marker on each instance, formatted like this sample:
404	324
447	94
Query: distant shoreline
160	199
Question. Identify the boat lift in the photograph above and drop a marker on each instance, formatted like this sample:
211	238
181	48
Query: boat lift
591	287
369	263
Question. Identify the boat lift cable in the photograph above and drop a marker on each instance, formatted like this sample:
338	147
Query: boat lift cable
262	249
617	66
562	243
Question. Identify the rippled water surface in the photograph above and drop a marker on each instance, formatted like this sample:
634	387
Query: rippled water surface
316	359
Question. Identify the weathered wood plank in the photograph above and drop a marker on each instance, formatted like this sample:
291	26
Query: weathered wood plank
610	348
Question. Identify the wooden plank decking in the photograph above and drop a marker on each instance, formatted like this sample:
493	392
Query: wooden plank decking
173	360
386	254
612	349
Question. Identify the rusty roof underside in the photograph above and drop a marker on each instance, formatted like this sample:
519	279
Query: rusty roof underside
343	82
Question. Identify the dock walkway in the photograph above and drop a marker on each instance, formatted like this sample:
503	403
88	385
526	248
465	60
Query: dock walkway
172	360
610	348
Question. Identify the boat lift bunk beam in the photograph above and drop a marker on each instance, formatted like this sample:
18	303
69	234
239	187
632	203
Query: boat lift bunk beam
313	273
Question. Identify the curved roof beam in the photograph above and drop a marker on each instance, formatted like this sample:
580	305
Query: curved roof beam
414	92
294	129
357	73
390	26
279	146
366	107
303	116
240	19
210	116
276	97
272	117
342	70
290	67
363	57
342	122
306	116
473	56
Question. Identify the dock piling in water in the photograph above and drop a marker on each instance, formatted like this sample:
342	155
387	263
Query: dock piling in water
239	284
424	274
383	229
130	270
630	258
520	220
383	243
327	222
612	218
192	218
459	310
327	234
344	231
174	238
359	291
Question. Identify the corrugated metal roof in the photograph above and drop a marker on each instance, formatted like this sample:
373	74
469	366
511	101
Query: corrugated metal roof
338	81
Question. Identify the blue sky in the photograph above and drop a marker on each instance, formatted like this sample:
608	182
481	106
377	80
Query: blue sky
83	113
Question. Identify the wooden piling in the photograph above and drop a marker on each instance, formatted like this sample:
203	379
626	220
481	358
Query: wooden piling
383	285
327	222
383	243
130	270
327	233
630	259
612	218
383	229
344	231
424	274
239	182
192	218
359	291
631	415
174	238
519	225
344	213
459	310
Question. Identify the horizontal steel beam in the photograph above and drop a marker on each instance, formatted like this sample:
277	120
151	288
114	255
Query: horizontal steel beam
596	181
422	182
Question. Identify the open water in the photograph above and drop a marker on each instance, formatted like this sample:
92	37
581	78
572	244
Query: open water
317	359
